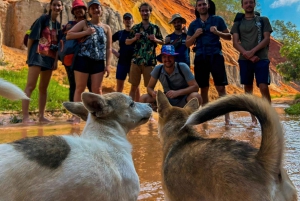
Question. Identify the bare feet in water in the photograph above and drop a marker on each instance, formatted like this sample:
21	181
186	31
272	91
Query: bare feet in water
71	119
44	120
227	120
76	121
254	121
28	121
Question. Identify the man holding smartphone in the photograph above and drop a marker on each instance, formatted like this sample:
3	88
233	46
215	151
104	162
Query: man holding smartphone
177	39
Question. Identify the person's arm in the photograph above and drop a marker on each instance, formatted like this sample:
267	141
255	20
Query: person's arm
222	34
193	87
108	50
190	40
29	44
265	42
115	52
157	38
136	37
80	30
236	43
150	87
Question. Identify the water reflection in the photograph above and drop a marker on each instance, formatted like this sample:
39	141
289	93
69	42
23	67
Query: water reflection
147	153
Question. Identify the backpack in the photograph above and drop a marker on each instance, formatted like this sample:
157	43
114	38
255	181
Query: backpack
258	22
27	33
68	49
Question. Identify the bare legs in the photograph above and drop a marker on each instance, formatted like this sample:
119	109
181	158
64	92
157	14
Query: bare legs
81	83
264	90
32	77
221	91
120	87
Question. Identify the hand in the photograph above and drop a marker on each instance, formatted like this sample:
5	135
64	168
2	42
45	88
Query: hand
137	36
254	59
167	40
184	29
248	54
151	37
214	30
198	32
90	31
172	94
154	94
107	70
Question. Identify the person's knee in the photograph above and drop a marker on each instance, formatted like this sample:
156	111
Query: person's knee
248	88
30	88
146	98
221	90
195	95
263	87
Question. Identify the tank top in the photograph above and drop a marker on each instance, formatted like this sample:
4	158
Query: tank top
94	46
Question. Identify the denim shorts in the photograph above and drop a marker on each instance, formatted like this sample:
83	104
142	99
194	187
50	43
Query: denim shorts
122	71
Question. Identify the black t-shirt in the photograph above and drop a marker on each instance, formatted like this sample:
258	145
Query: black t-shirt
126	51
34	58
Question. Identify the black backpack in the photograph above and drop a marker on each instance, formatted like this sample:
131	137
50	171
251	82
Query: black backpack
258	22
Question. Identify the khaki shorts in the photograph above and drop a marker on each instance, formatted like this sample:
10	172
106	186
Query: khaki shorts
135	74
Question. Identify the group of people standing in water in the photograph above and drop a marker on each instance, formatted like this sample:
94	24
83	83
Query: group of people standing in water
137	53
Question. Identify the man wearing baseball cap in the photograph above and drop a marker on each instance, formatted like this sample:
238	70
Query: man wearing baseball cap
178	38
124	54
176	78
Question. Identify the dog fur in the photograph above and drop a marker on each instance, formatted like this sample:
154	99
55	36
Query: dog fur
11	91
195	168
97	165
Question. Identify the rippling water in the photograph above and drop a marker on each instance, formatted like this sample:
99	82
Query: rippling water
147	153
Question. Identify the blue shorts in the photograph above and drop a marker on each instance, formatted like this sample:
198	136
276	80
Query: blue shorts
214	64
260	69
88	65
122	71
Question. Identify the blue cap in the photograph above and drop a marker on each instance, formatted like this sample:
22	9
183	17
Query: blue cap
93	2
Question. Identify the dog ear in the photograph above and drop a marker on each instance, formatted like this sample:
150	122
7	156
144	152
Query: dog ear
96	104
162	101
77	108
192	105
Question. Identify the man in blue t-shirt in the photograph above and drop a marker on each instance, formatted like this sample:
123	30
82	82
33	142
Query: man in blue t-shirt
176	79
206	32
178	38
124	54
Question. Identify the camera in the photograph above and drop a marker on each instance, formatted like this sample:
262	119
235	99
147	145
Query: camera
194	49
53	47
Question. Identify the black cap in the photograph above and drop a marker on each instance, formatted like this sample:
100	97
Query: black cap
127	15
93	2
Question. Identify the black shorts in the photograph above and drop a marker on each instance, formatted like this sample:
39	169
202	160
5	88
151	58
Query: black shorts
88	65
213	64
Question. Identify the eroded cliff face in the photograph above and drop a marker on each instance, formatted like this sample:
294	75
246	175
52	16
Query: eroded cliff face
18	15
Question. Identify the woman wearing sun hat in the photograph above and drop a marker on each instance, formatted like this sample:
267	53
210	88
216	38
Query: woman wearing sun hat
94	55
79	13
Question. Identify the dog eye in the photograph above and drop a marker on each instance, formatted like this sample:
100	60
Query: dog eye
132	104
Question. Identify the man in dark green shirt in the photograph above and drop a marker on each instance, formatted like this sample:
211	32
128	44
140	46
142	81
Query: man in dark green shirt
253	50
145	37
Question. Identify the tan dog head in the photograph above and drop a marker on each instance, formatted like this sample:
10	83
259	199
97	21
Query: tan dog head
114	107
171	117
